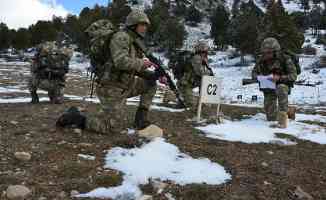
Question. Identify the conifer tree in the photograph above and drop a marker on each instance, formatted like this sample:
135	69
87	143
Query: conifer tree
278	23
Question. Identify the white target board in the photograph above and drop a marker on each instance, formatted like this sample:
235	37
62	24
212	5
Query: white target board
210	93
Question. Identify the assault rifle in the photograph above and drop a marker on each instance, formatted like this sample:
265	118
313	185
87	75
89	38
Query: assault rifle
161	70
248	81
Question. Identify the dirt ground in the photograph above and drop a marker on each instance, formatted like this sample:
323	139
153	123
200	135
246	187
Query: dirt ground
259	171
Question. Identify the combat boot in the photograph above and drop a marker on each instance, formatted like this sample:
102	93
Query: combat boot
35	98
57	100
180	106
141	118
282	121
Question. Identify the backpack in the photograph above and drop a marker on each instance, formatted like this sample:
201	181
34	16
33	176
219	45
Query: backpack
294	58
53	63
100	34
180	63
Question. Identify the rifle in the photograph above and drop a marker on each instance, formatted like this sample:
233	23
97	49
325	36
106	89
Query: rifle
248	81
171	84
161	70
209	69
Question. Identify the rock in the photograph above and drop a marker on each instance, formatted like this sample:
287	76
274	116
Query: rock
145	197
14	122
291	112
74	193
270	152
42	198
86	157
18	192
264	164
85	145
151	132
62	195
302	195
277	142
62	142
159	186
77	131
23	156
267	183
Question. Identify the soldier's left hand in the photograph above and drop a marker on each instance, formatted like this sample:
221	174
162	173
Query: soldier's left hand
163	80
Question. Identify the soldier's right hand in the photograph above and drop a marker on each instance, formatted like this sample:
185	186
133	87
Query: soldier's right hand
148	63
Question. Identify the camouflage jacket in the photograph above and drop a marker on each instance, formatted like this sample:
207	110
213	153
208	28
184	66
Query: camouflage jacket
281	64
192	75
127	59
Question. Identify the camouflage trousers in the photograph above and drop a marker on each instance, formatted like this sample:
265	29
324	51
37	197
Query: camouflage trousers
111	115
275	101
190	99
55	88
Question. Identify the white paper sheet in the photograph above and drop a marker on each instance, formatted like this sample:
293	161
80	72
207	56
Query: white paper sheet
265	82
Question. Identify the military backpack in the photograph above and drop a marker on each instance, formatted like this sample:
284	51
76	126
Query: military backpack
100	34
294	58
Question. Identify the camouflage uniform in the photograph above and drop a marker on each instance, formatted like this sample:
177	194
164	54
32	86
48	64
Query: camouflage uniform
276	101
125	80
192	76
48	72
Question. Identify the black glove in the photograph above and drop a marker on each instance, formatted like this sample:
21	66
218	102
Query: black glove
154	76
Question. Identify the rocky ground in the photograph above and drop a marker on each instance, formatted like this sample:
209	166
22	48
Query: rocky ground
57	168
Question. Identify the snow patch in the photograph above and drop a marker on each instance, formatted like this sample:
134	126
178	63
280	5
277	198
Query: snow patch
257	130
157	160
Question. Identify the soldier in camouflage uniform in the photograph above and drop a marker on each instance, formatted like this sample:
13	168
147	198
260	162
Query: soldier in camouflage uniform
274	62
129	76
193	74
48	71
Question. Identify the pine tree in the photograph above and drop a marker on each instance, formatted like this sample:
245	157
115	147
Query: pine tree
172	41
166	31
278	23
243	31
21	39
315	19
193	15
220	22
118	11
5	38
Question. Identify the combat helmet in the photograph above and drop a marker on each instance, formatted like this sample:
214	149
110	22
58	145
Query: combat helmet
99	28
270	44
137	17
201	46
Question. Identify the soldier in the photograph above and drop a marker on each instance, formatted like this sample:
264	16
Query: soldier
193	73
48	70
280	66
129	76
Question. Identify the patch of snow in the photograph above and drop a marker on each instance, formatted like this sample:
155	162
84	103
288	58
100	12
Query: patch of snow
257	130
158	160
